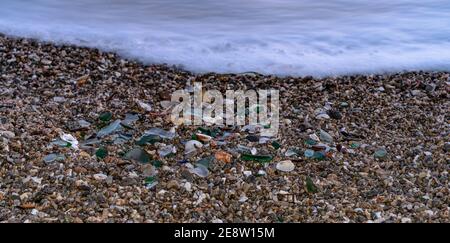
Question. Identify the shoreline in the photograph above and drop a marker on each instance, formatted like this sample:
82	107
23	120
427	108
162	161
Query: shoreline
177	67
388	159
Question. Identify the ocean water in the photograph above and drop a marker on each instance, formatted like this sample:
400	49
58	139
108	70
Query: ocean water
282	37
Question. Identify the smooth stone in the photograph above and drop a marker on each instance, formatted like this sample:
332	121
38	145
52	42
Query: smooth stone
285	166
173	184
139	155
53	157
344	104
243	199
200	171
192	146
326	137
261	173
203	137
381	89
144	106
323	116
7	134
416	92
100	177
335	114
380	153
187	186
78	125
59	99
109	180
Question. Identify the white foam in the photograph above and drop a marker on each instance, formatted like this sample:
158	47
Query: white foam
284	37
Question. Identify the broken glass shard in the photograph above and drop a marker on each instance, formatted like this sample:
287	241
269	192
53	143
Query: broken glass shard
161	133
139	155
110	129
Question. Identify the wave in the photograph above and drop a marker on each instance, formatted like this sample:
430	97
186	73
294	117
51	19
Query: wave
282	37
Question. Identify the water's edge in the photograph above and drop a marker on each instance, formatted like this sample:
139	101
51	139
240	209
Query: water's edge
63	44
281	37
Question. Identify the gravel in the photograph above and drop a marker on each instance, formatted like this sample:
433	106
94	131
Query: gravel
381	152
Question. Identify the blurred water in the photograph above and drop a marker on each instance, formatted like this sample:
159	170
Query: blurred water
293	37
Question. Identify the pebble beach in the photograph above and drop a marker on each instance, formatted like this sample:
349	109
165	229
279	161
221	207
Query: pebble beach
85	137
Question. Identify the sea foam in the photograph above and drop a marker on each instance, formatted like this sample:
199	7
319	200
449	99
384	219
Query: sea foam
283	37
